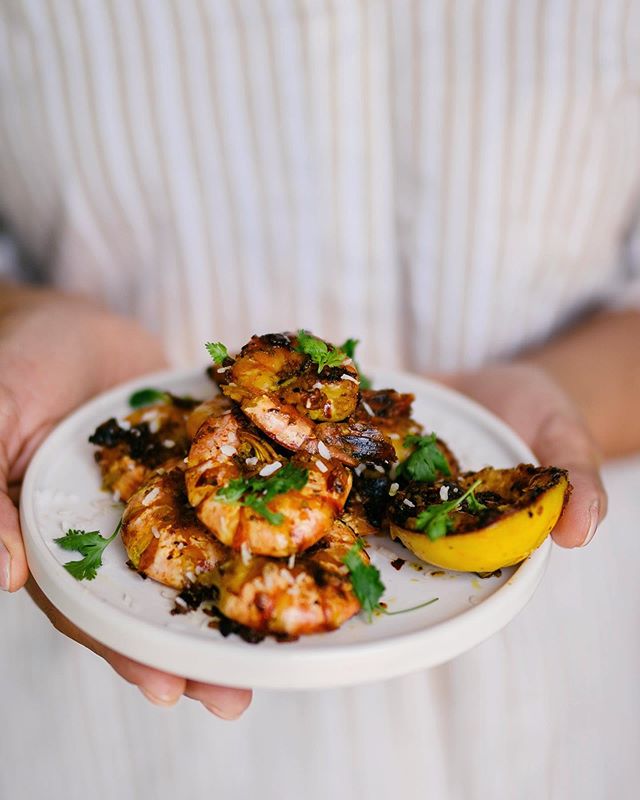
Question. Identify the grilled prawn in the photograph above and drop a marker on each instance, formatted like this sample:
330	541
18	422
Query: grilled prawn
228	452
299	404
162	535
311	596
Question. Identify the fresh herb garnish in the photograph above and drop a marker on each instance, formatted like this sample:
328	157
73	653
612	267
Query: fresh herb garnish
144	397
436	521
365	580
318	351
368	586
91	545
349	349
256	492
426	462
217	351
474	505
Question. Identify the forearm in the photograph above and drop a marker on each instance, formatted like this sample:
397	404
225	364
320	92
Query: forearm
598	364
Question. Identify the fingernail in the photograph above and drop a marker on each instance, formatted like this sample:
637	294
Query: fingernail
5	568
594	518
166	701
222	712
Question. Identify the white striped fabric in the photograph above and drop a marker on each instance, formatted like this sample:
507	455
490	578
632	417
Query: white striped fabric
446	181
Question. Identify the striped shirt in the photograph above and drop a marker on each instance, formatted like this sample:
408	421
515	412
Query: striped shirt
446	181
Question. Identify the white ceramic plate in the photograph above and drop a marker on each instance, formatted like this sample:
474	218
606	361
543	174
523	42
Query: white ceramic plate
61	490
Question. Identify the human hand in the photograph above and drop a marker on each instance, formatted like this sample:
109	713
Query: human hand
56	352
533	404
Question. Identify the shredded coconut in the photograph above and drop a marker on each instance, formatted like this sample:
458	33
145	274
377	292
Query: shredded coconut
323	450
368	408
269	469
149	498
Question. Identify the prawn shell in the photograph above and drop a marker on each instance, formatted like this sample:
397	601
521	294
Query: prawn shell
312	596
307	513
163	538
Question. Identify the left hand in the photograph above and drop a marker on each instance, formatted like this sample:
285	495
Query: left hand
531	402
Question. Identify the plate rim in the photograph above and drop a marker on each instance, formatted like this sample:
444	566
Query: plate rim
343	665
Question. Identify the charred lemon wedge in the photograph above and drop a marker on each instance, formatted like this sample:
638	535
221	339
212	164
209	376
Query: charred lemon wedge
481	521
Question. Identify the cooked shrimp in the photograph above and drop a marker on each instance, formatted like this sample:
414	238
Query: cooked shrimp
215	407
148	438
311	596
162	535
285	394
230	449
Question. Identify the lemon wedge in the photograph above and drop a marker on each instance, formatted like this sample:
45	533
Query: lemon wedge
519	509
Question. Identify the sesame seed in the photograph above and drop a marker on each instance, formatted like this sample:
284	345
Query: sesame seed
155	532
190	576
318	385
154	425
245	553
222	369
360	469
409	503
346	377
168	443
180	602
321	465
269	469
378	468
251	461
394	436
444	492
228	450
292	561
124	424
323	450
393	489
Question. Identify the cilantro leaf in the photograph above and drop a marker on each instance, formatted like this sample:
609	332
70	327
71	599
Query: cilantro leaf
144	397
436	521
349	349
474	505
89	544
257	491
365	580
426	462
217	351
318	351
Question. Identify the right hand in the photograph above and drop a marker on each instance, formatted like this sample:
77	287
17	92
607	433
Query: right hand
56	352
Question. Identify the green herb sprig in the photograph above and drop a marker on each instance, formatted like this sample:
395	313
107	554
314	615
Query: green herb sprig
217	351
349	349
144	397
426	462
368	586
257	491
89	544
318	351
436	520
